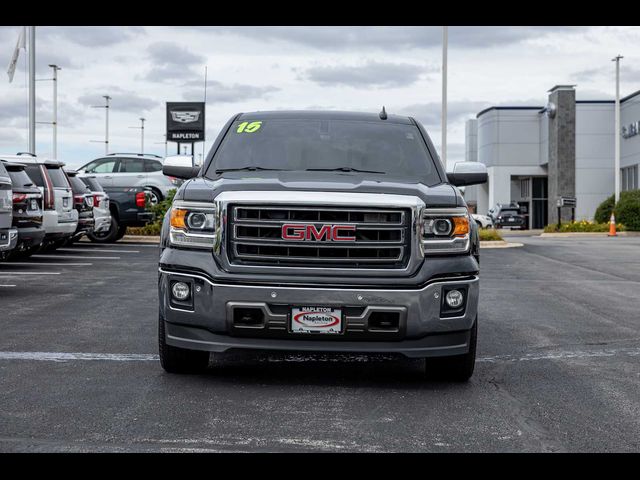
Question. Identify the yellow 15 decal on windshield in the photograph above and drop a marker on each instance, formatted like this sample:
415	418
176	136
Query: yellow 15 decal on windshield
248	127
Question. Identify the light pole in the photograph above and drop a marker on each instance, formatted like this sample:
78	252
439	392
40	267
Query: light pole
443	148
141	127
106	130
616	161
54	123
55	109
32	90
165	145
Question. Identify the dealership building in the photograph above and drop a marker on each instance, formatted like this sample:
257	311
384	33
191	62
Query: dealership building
536	154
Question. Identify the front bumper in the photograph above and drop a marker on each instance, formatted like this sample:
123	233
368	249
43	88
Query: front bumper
422	331
8	239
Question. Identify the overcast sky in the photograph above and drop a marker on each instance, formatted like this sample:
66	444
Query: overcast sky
271	68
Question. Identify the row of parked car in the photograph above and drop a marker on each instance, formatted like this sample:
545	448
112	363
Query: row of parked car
502	216
45	205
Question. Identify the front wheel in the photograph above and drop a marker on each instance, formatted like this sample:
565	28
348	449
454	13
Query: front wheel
458	368
109	236
179	360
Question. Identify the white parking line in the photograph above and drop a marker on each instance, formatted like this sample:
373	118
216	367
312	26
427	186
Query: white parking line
96	250
82	264
76	256
7	286
10	274
148	357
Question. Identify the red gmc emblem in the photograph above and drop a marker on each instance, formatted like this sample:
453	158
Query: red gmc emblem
327	233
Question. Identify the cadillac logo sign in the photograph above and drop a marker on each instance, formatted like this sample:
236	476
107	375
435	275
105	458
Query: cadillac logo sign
185	117
185	122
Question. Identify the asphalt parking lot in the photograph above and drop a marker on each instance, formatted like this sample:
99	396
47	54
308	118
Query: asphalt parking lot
558	365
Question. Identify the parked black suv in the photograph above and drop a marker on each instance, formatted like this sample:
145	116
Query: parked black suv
508	216
27	211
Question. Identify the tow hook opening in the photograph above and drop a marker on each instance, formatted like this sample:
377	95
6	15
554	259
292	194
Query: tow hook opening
248	317
384	322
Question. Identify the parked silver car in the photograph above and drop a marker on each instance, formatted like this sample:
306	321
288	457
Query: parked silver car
60	218
101	213
132	170
8	234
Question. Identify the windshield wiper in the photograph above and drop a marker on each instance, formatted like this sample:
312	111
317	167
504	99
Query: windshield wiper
342	169
249	168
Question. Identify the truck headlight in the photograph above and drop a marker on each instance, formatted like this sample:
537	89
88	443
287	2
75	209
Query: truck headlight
445	230
193	224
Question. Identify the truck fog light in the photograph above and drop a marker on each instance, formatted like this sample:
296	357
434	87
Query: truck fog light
454	298
180	291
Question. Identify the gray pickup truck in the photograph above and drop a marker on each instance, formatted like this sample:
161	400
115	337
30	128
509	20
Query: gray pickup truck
320	232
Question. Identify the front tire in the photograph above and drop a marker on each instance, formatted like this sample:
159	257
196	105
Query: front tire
109	236
458	368
179	360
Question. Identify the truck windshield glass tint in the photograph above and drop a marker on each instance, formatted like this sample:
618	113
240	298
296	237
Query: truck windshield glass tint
19	178
292	144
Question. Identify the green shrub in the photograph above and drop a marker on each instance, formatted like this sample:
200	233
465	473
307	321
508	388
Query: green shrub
489	234
154	227
603	212
582	226
627	210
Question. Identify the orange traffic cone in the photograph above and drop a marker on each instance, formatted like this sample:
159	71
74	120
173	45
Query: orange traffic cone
612	226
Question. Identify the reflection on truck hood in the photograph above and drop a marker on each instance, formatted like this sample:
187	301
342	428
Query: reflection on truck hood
203	189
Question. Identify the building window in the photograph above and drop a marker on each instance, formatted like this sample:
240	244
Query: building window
524	188
629	180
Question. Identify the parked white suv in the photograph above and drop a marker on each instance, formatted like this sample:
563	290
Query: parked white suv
60	218
128	170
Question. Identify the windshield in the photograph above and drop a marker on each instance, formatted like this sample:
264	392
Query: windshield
78	186
302	144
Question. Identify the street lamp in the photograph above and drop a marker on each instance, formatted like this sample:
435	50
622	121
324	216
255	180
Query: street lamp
106	130
141	127
55	108
616	161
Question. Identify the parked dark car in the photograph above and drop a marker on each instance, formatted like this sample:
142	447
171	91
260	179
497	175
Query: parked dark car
83	203
508	216
27	211
128	209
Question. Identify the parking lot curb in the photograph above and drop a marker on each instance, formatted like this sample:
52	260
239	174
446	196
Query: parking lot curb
499	244
142	238
587	234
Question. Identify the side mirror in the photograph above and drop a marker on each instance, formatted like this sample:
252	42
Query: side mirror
468	173
180	166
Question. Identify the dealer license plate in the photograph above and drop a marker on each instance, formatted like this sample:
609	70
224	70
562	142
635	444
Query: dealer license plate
316	320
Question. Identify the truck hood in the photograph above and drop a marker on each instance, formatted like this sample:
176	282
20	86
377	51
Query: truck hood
203	189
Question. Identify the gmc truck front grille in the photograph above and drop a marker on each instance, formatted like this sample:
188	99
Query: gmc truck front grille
305	236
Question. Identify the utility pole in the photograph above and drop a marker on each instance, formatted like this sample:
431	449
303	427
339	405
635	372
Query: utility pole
166	145
55	109
616	161
141	128
106	130
32	90
445	41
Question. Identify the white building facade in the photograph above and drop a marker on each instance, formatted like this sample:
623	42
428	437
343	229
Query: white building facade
514	143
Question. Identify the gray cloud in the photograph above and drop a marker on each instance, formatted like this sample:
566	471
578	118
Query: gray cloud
392	38
121	100
95	36
171	62
627	73
11	135
371	74
226	93
429	113
167	53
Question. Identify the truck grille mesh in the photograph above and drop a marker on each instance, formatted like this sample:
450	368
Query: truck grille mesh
382	237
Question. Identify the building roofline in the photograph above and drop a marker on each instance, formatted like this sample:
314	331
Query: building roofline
629	97
508	108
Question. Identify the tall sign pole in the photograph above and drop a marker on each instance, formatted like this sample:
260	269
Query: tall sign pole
616	161
32	90
445	41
